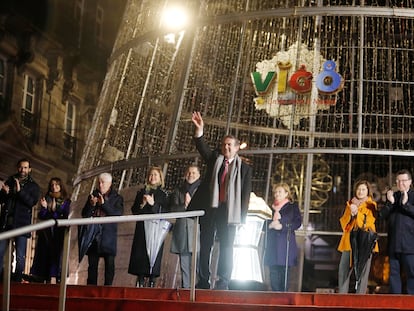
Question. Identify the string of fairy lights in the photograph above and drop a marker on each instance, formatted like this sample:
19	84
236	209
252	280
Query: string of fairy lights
373	110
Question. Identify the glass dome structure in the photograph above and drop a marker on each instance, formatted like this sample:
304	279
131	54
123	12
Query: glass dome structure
320	91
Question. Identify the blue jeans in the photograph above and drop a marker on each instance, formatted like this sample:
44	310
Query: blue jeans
20	243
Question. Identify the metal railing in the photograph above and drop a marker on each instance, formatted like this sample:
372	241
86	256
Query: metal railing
68	223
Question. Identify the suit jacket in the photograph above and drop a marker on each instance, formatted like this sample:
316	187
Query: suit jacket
202	198
400	224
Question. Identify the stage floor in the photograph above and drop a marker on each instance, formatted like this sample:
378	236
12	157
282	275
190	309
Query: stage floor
46	297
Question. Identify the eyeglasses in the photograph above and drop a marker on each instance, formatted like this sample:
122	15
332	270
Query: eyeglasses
402	180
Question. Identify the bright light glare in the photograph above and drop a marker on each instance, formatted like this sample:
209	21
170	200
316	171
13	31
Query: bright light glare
174	18
246	261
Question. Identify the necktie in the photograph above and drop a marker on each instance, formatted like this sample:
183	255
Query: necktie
222	193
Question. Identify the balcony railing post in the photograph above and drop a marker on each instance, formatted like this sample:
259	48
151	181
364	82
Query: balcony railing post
6	276
194	258
67	223
65	269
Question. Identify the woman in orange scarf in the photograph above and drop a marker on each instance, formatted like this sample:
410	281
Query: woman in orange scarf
359	213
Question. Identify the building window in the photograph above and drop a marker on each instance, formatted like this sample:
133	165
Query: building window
70	119
28	118
28	94
69	139
2	77
3	88
99	19
78	13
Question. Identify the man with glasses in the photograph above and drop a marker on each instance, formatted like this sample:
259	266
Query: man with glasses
399	210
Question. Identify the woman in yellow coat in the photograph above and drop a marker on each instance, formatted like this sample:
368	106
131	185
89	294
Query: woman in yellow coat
358	210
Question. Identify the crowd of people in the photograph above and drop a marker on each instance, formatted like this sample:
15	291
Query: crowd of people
223	194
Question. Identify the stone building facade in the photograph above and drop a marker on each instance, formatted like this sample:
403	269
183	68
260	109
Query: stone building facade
53	59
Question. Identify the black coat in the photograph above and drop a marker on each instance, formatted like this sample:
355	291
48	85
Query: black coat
139	261
49	245
17	207
202	198
400	224
113	206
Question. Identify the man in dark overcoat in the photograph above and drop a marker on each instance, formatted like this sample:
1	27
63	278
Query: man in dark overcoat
104	201
399	210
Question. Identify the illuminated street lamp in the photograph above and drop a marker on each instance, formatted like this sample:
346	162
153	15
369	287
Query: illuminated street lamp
174	18
246	260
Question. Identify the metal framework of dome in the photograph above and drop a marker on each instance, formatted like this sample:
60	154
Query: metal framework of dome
317	139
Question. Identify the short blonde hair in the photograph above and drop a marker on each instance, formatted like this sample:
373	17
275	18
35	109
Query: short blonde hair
159	170
284	186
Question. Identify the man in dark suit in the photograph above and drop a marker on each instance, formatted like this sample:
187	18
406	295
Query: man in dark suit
399	210
224	196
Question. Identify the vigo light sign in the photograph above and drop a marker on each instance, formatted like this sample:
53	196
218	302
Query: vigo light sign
286	92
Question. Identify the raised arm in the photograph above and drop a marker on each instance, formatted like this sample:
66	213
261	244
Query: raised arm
198	124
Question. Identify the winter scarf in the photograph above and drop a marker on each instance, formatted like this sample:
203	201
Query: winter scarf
233	187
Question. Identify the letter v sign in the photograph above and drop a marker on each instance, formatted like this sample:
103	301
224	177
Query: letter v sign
260	86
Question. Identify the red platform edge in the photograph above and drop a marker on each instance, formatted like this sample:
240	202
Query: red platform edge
88	298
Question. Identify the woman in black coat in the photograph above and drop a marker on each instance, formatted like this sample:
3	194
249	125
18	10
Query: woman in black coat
151	199
48	253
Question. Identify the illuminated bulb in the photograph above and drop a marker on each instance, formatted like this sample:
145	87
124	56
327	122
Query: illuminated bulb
174	18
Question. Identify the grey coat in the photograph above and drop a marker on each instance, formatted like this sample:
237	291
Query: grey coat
182	237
